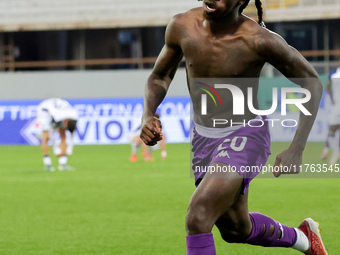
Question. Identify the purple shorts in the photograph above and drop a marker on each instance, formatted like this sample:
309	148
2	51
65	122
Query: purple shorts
244	148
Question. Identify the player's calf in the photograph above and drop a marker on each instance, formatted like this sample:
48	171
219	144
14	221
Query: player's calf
234	231
270	233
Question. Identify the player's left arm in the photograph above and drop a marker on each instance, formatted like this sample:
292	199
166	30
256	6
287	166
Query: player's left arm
293	65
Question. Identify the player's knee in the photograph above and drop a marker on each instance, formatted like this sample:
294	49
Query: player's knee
236	232
198	220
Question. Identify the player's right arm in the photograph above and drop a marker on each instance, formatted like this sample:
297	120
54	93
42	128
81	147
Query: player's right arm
63	145
159	81
292	65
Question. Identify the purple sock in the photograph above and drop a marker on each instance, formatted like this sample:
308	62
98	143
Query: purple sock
283	236
202	244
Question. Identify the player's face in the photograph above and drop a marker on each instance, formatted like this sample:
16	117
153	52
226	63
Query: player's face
217	9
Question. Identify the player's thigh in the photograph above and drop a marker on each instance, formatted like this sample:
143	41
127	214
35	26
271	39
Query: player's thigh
217	192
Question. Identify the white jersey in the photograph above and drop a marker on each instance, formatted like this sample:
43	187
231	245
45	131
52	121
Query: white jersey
58	109
334	77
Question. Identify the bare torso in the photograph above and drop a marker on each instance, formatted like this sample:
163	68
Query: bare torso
218	42
228	53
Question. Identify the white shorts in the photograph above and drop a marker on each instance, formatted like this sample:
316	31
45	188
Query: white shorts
44	119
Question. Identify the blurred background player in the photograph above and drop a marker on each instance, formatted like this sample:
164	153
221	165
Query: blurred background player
57	115
136	143
333	88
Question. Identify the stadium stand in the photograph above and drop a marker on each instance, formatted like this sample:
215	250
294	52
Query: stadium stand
65	14
294	10
18	15
77	19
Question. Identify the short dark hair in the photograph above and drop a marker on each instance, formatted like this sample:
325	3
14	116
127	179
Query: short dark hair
71	125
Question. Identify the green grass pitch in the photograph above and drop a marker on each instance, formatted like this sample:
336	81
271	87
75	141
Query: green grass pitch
111	206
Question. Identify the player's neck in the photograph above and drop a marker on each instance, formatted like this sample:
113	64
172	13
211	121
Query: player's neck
222	25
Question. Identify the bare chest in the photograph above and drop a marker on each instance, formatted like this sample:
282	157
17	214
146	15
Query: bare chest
227	56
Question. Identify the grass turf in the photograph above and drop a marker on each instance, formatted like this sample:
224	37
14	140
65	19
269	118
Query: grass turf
111	206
